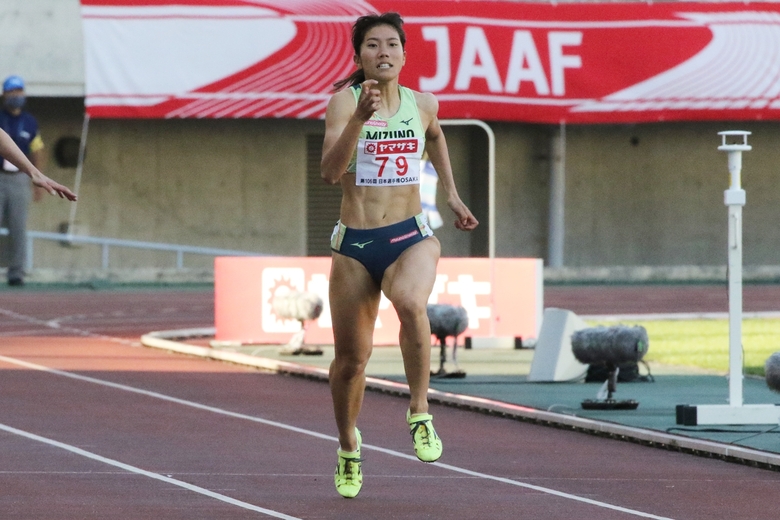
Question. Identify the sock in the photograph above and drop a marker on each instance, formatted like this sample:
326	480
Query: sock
349	454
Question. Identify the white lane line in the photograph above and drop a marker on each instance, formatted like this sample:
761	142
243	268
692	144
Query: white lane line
318	435
28	332
52	324
163	397
525	485
139	471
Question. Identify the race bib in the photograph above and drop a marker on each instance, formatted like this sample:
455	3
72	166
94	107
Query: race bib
389	162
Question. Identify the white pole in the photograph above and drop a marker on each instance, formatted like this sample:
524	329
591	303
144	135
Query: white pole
491	200
79	170
556	229
491	176
734	198
736	412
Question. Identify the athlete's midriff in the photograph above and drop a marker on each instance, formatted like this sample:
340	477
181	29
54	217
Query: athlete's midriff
368	207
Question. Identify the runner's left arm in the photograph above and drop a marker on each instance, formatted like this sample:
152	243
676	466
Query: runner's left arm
436	145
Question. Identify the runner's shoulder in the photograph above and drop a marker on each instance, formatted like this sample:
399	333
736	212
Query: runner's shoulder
341	104
426	102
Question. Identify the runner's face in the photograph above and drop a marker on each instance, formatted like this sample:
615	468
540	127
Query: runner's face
381	54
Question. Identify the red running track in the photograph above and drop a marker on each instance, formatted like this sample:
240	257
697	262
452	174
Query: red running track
132	313
92	426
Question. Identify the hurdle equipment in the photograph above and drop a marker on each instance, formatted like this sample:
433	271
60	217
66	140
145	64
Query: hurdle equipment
736	412
447	320
611	346
303	307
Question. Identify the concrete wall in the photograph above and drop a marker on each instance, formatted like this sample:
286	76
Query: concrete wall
635	194
653	195
233	184
41	40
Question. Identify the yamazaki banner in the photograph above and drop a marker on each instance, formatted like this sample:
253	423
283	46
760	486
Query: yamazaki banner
491	60
503	298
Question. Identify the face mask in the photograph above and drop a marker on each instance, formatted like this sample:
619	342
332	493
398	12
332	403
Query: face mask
14	102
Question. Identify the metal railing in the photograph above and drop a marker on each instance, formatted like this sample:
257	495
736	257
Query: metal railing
107	243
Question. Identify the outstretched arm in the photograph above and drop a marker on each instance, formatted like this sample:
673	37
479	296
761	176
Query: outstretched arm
12	153
38	158
436	145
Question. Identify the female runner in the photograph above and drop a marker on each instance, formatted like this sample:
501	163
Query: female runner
375	134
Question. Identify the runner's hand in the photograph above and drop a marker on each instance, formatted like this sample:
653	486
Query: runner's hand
369	100
466	220
52	187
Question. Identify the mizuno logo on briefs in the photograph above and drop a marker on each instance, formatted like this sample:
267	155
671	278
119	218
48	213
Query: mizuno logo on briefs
361	246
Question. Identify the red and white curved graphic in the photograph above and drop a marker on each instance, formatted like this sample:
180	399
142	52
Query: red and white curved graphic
492	60
218	58
739	69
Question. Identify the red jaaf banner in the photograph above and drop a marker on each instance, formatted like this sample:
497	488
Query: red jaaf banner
491	60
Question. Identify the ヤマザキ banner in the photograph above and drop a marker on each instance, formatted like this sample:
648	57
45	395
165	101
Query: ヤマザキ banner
503	298
492	60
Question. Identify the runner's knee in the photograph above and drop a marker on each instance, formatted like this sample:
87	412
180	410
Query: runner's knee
350	367
410	310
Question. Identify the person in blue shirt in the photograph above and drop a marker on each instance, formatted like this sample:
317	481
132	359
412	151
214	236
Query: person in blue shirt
21	153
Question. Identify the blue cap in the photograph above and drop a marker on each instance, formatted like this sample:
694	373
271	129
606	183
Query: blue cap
13	83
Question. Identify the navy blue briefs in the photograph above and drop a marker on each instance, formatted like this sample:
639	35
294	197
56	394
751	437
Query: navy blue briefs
377	248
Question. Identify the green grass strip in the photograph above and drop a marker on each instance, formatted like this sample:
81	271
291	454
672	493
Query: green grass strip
705	343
